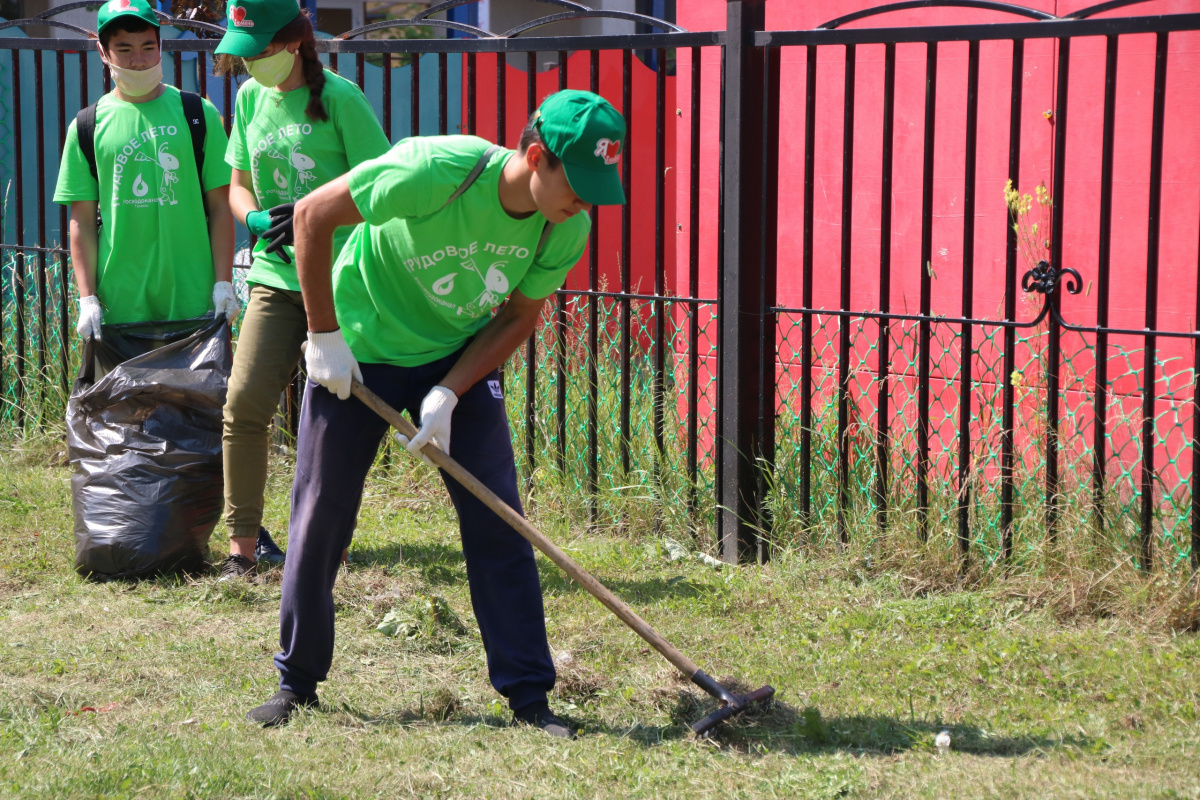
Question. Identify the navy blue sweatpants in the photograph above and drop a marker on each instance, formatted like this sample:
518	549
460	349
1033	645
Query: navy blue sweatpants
337	443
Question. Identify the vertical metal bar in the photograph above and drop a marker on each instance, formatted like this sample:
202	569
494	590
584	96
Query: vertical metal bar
745	368
560	335
1154	218
1008	401
660	277
178	61
414	97
719	438
64	295
83	79
626	254
202	73
227	114
882	457
387	95
19	265
1196	431
472	77
593	421
39	107
501	97
694	291
360	70
768	235
806	321
1104	255
844	321
1054	339
531	346
966	386
926	291
443	112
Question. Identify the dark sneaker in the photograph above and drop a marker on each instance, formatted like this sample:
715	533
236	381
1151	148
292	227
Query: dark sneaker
540	715
266	551
278	710
235	566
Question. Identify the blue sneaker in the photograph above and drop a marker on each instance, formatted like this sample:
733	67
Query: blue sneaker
266	551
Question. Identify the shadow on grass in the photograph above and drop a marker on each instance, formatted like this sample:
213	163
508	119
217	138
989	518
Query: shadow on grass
778	728
443	565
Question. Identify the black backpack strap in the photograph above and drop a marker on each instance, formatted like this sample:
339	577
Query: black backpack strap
85	131
474	174
193	112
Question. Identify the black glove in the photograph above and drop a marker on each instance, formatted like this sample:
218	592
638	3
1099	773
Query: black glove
281	234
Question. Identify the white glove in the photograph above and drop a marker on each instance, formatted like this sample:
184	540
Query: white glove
436	410
330	362
90	317
225	301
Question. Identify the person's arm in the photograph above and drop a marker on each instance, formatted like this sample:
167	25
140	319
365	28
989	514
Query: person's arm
220	232
84	245
241	195
317	216
495	342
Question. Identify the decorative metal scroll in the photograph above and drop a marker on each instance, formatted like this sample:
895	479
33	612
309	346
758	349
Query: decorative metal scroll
1044	279
46	18
987	5
575	11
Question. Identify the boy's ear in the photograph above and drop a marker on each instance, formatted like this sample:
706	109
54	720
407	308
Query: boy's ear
103	55
535	155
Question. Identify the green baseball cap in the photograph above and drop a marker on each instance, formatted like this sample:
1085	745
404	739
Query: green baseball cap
588	136
115	9
253	23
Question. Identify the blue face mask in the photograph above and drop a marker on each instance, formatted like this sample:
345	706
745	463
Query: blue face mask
272	70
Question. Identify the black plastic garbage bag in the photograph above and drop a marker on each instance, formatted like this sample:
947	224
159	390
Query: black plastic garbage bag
145	441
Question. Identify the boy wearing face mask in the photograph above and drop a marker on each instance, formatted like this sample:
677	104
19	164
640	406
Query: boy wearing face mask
155	256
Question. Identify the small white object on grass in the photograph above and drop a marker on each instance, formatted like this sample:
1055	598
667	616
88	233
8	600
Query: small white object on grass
943	742
564	657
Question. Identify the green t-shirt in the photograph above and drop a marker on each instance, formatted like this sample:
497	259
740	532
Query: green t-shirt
155	260
288	155
419	277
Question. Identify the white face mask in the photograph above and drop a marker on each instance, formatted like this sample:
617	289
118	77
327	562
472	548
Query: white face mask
135	82
272	70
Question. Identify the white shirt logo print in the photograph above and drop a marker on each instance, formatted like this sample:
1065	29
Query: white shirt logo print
169	165
444	285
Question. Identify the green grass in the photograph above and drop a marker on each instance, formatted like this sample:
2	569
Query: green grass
1076	683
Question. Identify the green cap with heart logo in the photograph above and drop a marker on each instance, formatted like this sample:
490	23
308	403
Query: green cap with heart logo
588	136
251	24
114	9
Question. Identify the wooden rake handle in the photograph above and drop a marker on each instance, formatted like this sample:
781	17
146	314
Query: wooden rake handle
535	537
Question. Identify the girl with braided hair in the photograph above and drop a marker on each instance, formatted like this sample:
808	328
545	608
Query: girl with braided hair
296	126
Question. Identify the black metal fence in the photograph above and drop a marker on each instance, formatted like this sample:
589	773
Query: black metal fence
737	382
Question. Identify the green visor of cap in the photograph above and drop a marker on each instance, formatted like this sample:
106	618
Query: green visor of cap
600	187
115	9
251	24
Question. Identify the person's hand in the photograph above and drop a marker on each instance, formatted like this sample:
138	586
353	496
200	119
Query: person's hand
281	233
225	301
330	362
436	410
90	317
257	222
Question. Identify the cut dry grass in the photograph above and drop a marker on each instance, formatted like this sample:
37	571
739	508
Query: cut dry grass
1072	680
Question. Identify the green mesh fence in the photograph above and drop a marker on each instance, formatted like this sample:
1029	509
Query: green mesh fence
658	476
660	479
34	379
1114	523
